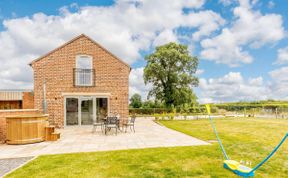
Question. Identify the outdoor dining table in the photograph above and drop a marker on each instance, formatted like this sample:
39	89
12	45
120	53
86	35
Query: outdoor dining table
105	121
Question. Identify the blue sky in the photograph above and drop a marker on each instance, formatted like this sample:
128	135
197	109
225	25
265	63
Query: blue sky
242	45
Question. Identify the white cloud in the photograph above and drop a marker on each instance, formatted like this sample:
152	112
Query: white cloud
280	74
226	2
164	37
125	28
278	86
249	29
232	87
131	26
282	56
245	3
194	3
200	20
271	4
199	71
224	49
136	83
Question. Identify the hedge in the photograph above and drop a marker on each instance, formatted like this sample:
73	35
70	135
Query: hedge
150	111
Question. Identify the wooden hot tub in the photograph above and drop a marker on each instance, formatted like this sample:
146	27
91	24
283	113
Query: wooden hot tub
26	129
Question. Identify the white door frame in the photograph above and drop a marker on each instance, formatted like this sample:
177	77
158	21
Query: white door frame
79	107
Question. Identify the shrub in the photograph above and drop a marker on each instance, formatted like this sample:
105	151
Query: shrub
185	115
149	111
163	116
171	116
156	117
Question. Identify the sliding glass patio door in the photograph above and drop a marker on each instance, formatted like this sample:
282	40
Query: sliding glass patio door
83	110
86	111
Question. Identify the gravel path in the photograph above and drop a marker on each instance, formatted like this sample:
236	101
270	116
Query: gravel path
7	165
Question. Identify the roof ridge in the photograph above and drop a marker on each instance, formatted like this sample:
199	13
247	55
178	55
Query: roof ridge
74	39
61	46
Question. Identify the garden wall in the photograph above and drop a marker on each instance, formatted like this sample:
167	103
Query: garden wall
5	113
28	100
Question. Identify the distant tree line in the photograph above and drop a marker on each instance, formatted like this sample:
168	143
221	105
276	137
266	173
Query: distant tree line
136	102
156	107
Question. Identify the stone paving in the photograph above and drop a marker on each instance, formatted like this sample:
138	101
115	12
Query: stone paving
81	139
6	165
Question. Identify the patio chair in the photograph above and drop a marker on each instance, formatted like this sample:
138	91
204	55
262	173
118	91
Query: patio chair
96	124
131	124
111	122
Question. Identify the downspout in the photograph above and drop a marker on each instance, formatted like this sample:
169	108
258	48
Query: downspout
44	98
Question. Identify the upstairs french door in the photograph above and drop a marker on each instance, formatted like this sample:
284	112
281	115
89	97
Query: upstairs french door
82	110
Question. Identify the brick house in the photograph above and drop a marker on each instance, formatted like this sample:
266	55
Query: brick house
80	82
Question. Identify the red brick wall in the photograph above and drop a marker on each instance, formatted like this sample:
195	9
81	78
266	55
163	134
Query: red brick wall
28	100
5	113
56	68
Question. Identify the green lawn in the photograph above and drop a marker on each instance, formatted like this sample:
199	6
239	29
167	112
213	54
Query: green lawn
245	139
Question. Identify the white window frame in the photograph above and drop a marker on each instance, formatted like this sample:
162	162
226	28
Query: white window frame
77	80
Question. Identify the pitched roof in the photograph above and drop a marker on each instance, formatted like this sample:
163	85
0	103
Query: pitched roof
74	39
12	94
15	90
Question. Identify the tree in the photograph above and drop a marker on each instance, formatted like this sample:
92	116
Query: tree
135	101
148	104
170	70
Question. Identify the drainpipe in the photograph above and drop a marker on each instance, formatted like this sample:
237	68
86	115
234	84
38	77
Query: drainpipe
44	98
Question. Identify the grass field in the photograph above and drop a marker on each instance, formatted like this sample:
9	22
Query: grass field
246	139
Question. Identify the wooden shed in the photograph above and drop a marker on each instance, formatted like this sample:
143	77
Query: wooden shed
16	99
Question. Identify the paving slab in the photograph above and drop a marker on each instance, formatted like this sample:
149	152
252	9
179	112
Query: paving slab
81	139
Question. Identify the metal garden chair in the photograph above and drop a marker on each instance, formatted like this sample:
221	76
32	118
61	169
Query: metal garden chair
96	124
130	124
111	123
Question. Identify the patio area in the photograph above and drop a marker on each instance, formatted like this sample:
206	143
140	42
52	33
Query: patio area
81	139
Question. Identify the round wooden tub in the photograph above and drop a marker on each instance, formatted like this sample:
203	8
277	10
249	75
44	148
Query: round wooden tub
26	129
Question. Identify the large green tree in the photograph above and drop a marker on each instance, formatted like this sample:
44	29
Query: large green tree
170	70
135	101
